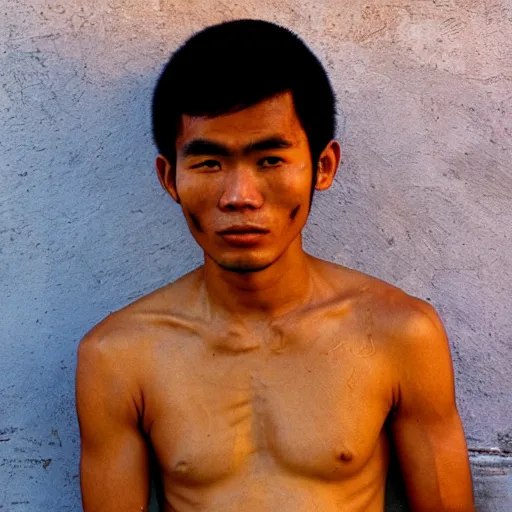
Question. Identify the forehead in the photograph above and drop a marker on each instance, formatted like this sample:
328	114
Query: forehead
272	116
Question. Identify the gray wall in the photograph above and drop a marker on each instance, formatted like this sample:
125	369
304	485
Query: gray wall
423	199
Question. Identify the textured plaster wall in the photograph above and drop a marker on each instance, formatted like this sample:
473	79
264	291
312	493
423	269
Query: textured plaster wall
423	199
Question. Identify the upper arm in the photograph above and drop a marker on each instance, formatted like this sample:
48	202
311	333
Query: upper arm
114	472
426	427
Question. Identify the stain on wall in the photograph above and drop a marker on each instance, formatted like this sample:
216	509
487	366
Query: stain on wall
423	199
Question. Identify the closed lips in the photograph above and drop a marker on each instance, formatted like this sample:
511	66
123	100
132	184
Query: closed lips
243	229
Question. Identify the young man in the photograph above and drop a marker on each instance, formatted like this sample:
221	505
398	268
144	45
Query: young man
266	379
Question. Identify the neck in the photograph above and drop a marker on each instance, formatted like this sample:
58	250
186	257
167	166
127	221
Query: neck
265	294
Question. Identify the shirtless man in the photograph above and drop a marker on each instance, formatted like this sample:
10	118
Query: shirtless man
266	380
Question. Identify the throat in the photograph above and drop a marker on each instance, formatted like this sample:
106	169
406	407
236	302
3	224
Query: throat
270	293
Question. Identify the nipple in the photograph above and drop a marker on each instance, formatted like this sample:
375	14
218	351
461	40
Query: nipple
182	467
345	456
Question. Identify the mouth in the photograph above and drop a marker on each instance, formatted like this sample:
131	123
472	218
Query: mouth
243	236
242	230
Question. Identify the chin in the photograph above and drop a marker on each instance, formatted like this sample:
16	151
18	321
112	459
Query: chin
244	269
239	267
242	265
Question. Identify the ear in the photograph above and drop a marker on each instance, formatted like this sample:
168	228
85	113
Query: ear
167	176
328	165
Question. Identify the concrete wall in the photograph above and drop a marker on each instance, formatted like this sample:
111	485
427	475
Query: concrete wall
423	199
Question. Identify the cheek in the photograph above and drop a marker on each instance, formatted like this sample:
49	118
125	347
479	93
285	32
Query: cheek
298	193
293	188
196	194
198	200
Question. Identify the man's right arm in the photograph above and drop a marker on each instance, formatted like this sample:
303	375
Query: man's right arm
114	467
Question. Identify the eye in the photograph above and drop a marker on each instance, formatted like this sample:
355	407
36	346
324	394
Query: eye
270	161
209	164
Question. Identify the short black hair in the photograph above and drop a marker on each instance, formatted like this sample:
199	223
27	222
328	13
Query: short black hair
236	64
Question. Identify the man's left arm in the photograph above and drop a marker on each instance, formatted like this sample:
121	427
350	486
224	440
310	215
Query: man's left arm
425	424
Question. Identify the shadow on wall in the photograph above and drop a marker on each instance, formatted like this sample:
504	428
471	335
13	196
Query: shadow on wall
87	230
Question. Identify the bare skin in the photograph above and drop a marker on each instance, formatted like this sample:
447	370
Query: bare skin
266	379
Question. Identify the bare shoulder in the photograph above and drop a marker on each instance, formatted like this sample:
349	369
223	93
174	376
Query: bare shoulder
405	321
104	360
130	327
120	342
402	319
409	332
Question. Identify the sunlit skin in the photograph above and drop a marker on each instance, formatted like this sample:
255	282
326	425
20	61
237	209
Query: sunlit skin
266	379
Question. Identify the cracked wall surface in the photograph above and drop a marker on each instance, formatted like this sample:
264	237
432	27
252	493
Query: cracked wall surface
423	199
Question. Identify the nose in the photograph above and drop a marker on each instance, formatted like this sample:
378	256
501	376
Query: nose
241	190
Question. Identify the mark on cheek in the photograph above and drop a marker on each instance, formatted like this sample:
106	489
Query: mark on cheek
196	222
294	212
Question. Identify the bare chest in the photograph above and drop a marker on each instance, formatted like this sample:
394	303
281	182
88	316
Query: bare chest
315	412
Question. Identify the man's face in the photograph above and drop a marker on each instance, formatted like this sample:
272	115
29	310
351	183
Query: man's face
244	182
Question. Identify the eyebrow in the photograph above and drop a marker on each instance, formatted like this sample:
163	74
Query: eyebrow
201	147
